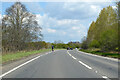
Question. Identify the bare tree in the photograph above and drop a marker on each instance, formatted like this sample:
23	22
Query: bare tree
18	27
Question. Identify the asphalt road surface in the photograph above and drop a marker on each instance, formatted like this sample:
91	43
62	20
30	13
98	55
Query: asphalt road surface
67	64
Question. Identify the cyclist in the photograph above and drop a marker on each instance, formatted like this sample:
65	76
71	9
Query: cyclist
52	48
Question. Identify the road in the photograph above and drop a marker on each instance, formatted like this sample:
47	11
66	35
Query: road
67	64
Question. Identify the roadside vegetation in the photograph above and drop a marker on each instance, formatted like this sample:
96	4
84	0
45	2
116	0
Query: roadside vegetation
102	36
99	52
21	54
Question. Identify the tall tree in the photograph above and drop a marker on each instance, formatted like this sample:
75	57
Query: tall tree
91	32
118	10
104	30
106	19
18	27
109	35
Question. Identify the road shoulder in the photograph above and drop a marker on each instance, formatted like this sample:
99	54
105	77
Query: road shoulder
100	56
12	64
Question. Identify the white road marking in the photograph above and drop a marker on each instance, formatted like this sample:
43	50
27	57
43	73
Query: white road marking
96	71
74	57
104	77
100	56
19	66
81	62
85	65
70	54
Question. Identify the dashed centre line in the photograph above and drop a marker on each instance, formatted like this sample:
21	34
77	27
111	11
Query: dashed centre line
105	77
74	57
85	65
80	61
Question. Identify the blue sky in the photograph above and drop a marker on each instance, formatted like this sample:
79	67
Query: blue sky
65	21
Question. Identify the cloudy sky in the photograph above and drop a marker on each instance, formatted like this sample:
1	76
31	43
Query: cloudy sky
65	21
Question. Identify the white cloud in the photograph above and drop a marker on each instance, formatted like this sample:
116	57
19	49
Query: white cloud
76	10
114	7
64	29
0	18
34	7
67	21
51	30
75	28
71	35
64	33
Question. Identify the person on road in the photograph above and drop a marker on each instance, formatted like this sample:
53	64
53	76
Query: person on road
52	48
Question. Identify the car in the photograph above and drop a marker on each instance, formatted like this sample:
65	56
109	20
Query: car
71	48
68	48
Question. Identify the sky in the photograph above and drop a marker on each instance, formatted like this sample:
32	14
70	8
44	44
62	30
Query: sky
65	21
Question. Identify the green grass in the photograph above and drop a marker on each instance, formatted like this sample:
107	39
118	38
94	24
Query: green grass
0	58
18	55
106	54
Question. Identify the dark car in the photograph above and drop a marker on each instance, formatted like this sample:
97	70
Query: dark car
71	48
68	48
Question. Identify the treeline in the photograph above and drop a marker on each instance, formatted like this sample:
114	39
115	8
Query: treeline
62	45
103	33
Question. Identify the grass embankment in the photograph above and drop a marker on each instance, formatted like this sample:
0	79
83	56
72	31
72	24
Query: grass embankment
98	52
18	55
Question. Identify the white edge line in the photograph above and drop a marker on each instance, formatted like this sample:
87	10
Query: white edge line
19	66
99	56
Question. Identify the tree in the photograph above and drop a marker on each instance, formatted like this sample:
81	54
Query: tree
18	27
118	12
59	41
109	40
84	44
91	32
107	18
94	44
104	32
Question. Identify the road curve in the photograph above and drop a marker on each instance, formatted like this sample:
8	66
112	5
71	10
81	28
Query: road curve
104	66
67	64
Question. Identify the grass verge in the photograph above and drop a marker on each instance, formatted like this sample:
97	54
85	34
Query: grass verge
18	55
106	54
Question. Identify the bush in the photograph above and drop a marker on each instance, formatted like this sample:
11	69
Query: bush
84	44
109	40
94	44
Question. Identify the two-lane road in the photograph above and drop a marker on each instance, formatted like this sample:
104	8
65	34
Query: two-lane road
67	64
